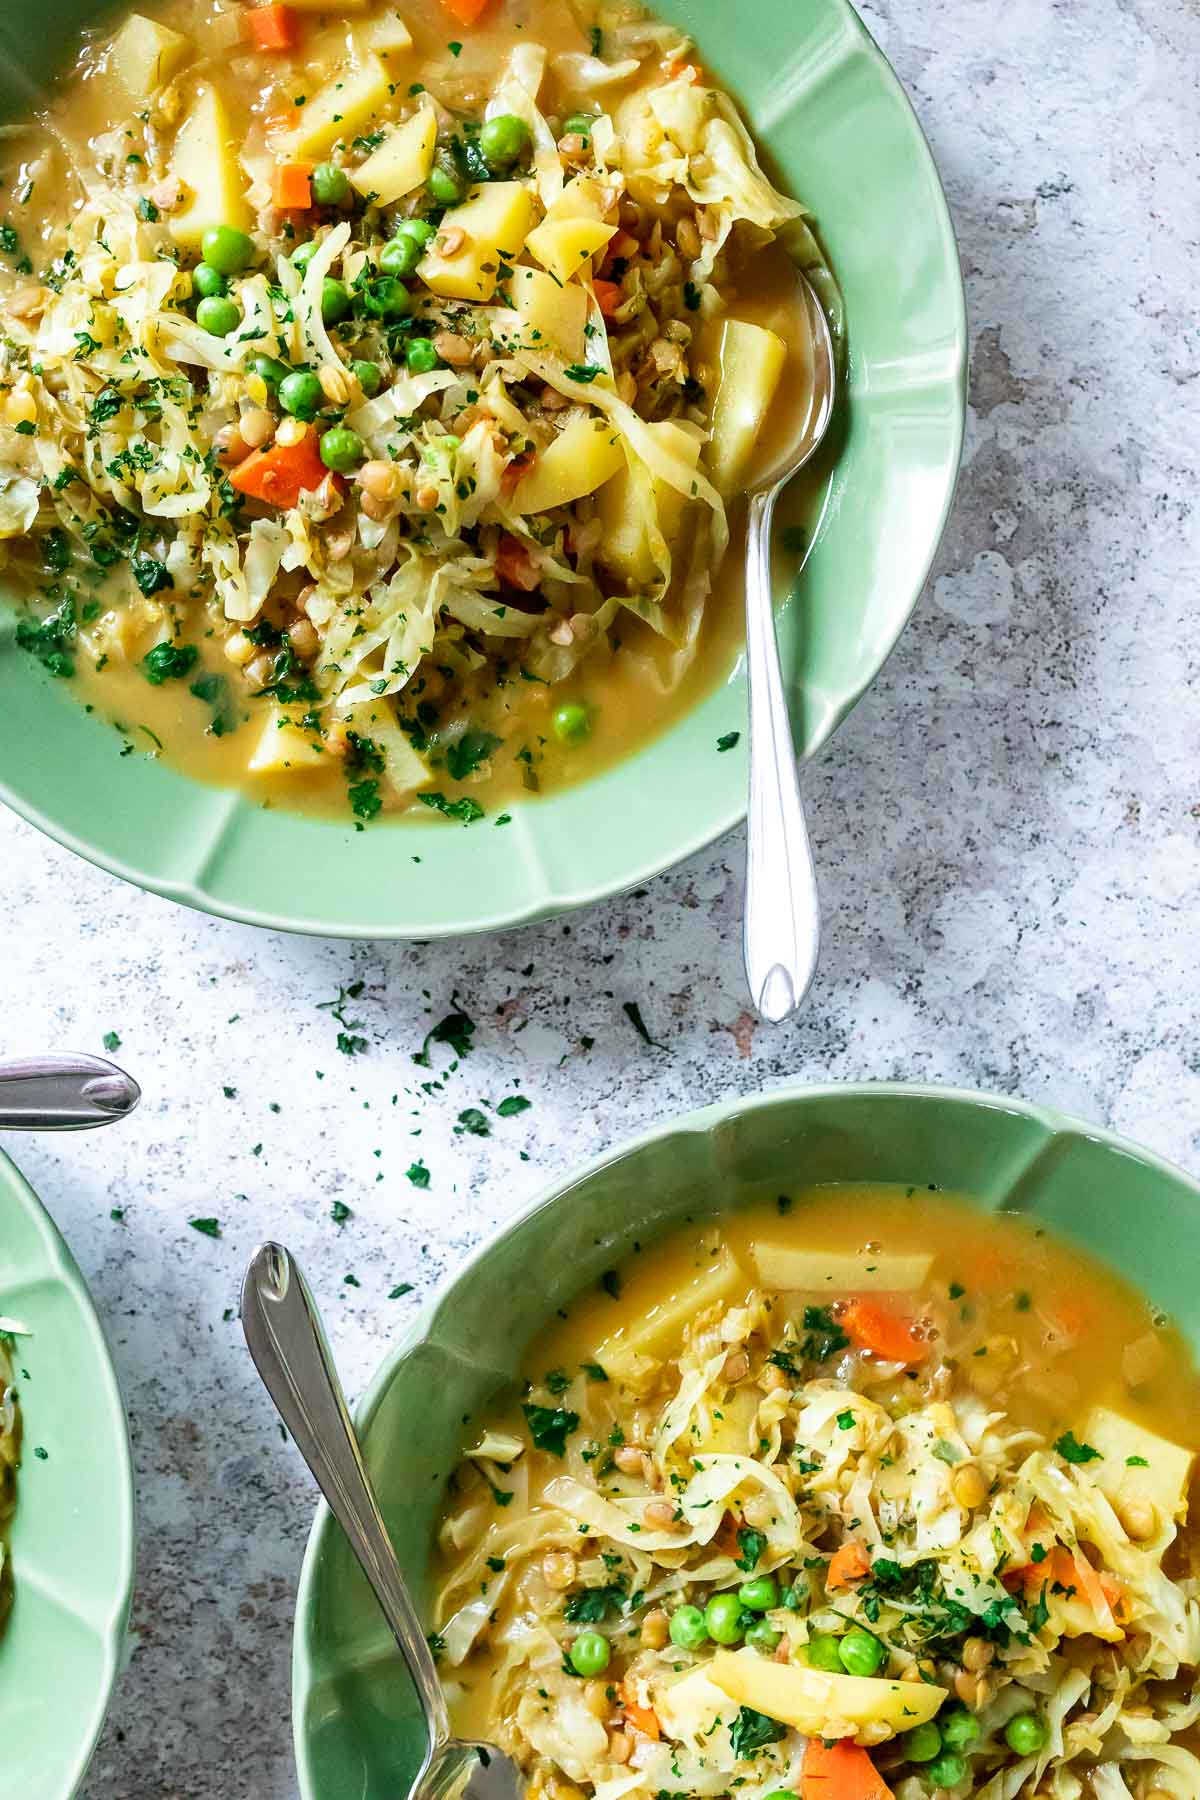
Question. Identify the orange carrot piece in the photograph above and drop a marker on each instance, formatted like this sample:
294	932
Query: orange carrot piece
609	295
271	27
465	11
847	1565
642	1718
291	186
280	474
841	1771
515	565
886	1334
515	472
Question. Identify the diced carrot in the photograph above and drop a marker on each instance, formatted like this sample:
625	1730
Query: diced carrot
841	1771
849	1564
515	565
282	123
465	11
642	1718
280	474
609	295
271	27
886	1334
515	472
291	186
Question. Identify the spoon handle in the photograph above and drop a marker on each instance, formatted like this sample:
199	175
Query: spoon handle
286	1339
783	920
64	1093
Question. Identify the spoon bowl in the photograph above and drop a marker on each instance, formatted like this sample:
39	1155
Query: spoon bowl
782	916
64	1093
287	1341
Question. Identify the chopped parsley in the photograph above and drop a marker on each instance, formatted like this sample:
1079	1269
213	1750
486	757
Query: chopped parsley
169	662
550	1427
753	1731
206	1227
513	1104
728	740
751	1543
466	810
51	640
591	1605
111	1041
1072	1451
418	1174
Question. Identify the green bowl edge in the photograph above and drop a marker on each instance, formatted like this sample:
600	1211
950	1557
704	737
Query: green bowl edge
61	1265
701	1122
558	903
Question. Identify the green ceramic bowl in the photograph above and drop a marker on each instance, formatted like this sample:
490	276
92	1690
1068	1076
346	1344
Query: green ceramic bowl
354	1717
72	1539
844	138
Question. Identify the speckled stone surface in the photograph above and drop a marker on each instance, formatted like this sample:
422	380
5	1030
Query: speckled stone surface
1007	832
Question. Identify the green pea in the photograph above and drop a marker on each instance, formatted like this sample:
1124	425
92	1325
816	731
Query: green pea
947	1771
303	254
1027	1733
590	1653
579	125
385	297
764	1637
401	256
210	284
368	375
268	369
780	1794
723	1614
959	1728
760	1594
218	315
572	725
335	301
342	449
419	230
823	1653
226	250
330	185
860	1652
923	1743
300	394
503	139
421	356
445	182
688	1629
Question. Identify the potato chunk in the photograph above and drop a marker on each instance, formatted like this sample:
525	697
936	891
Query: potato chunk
1137	1467
495	220
582	457
625	504
752	362
819	1703
402	161
283	749
722	1281
344	107
146	54
795	1270
552	316
205	160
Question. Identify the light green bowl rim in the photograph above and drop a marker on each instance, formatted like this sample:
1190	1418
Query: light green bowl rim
701	1122
670	849
60	1267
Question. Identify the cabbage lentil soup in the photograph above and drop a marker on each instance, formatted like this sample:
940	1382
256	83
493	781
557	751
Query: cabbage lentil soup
378	386
859	1495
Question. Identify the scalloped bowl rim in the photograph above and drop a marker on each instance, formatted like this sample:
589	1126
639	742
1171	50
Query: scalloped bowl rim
562	898
60	1267
701	1122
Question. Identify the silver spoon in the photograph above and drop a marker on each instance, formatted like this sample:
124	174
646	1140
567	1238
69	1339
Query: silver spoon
783	919
284	1333
64	1093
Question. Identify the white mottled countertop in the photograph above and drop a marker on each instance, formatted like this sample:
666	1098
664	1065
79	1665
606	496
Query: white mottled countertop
1006	828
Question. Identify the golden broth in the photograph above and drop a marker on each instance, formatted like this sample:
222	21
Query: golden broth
633	691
